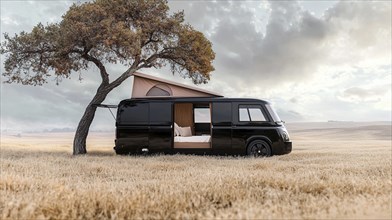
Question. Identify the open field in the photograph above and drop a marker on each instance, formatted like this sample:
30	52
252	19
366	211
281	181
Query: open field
336	170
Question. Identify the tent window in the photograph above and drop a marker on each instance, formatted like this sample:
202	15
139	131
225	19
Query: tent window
159	90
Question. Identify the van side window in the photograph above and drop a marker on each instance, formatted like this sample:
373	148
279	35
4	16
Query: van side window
202	115
134	113
160	113
244	116
256	114
251	113
221	113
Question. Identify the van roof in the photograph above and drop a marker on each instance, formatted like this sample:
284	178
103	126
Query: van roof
193	99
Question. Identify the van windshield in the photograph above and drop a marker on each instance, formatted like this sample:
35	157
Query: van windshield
273	114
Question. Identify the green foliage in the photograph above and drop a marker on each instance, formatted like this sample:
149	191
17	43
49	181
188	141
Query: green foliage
138	34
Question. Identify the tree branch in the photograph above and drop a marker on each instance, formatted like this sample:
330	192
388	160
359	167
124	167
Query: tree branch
150	40
147	62
125	75
102	69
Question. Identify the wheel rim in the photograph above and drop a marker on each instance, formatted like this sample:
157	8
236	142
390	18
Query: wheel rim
259	149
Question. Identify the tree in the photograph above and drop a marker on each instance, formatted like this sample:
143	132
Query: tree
137	34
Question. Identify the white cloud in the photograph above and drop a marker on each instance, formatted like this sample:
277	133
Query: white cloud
5	20
361	33
360	95
376	97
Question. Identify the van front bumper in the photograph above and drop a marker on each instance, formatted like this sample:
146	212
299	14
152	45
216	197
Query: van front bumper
282	148
288	147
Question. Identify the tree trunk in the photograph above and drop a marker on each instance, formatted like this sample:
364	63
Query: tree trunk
79	144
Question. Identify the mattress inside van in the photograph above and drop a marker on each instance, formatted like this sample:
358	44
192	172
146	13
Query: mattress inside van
193	139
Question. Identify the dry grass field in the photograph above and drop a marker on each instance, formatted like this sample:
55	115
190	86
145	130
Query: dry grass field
336	170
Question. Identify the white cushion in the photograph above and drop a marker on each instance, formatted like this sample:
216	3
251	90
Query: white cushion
185	131
176	129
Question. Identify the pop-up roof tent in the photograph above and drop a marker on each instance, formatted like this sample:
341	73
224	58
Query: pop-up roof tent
145	86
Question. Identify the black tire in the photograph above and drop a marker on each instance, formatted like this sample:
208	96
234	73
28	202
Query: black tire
259	148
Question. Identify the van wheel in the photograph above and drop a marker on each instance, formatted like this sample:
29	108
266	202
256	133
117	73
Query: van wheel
259	148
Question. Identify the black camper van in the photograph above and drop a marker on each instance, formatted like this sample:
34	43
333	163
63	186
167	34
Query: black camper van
200	126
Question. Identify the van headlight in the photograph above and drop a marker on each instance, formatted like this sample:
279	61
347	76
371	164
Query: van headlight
285	135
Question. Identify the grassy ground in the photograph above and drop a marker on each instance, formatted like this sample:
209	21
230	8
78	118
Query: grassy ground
333	172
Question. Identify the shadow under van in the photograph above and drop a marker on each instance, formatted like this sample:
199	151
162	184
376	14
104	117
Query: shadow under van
223	126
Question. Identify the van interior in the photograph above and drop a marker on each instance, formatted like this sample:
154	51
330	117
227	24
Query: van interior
192	125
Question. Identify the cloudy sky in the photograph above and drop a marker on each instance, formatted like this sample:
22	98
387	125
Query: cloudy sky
314	60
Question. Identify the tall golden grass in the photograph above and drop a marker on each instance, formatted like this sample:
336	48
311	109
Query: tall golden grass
328	175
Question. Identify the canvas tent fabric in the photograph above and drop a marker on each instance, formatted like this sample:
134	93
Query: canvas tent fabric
145	86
